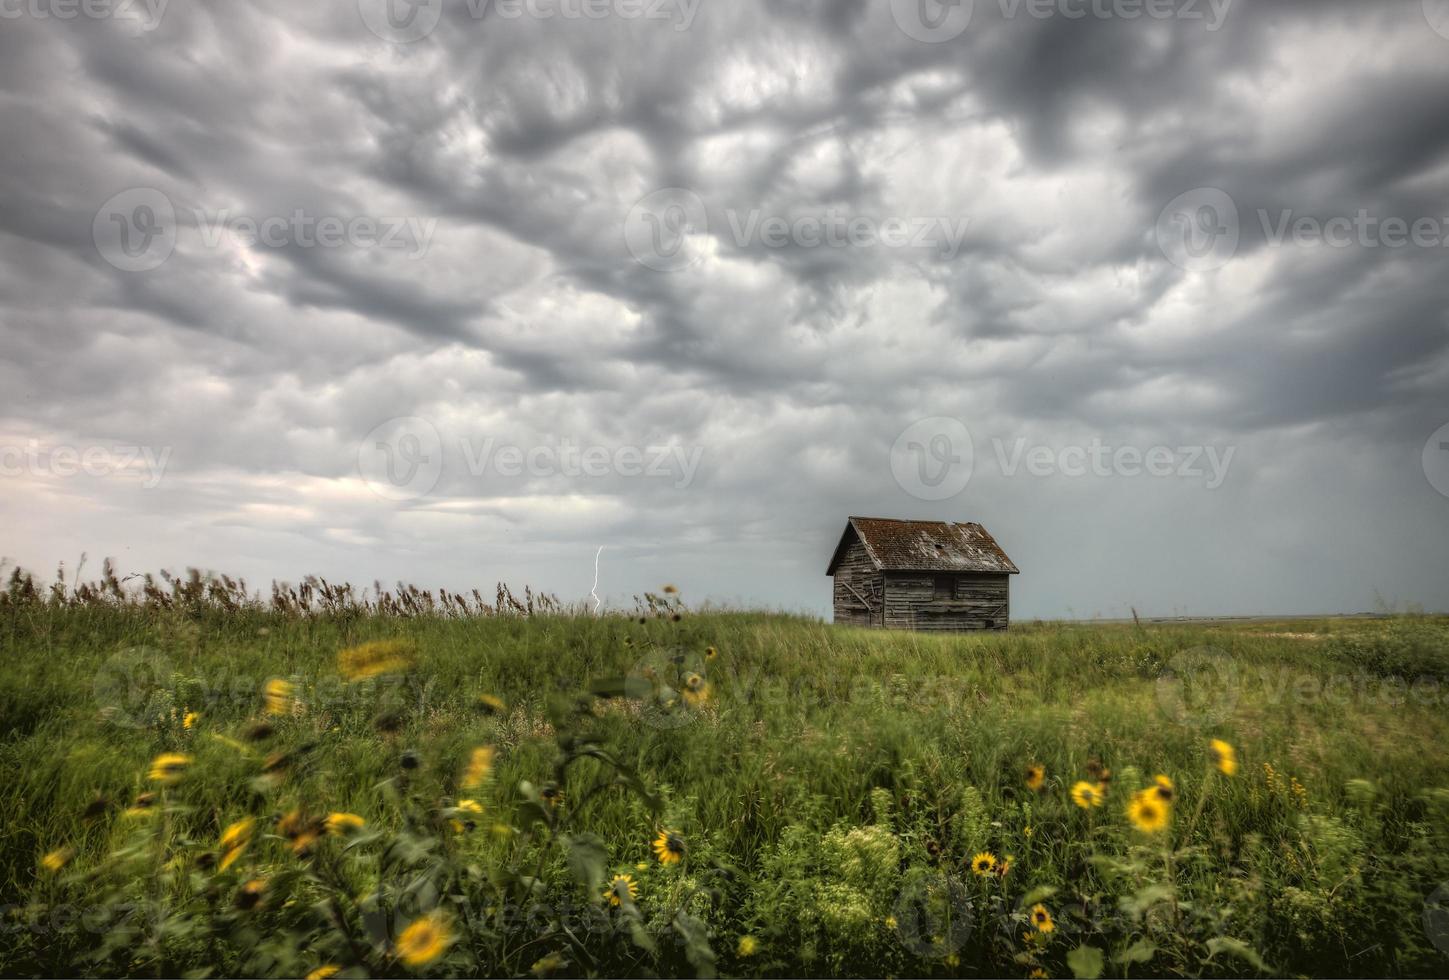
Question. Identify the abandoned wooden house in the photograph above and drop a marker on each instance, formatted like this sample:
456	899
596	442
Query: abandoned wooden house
920	575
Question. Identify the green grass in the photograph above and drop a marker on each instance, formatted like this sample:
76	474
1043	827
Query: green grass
835	783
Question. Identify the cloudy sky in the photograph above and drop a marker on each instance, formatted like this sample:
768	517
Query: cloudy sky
460	291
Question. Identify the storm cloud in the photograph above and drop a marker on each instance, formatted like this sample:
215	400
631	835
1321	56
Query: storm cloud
457	291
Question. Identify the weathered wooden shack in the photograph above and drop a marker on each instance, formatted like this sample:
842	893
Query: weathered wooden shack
920	575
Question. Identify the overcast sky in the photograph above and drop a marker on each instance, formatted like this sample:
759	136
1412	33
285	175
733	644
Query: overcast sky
463	292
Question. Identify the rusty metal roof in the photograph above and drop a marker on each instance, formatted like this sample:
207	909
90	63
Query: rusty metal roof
925	546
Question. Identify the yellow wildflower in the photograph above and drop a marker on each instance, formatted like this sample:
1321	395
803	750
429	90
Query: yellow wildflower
278	694
234	841
1087	795
619	887
341	824
1223	756
373	659
169	767
57	859
480	764
669	847
424	940
1035	777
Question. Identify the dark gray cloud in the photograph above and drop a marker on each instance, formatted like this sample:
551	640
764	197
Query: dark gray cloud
501	168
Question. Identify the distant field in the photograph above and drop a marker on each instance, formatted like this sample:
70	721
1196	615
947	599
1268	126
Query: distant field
826	791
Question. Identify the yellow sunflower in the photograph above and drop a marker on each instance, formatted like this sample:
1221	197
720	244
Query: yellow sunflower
324	972
301	831
1035	777
57	859
341	824
234	841
1147	812
250	895
1042	919
278	695
696	690
710	653
480	764
748	946
424	940
983	864
1163	788
492	704
374	659
169	767
1223	756
189	720
470	806
669	847
1087	795
619	887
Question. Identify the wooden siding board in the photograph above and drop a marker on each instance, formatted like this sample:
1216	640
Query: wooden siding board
913	602
856	573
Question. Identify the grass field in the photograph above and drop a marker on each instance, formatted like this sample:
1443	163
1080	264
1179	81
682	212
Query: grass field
171	764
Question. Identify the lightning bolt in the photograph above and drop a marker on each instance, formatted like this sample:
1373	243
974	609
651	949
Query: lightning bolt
594	592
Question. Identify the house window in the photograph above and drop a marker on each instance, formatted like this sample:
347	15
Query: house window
945	587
